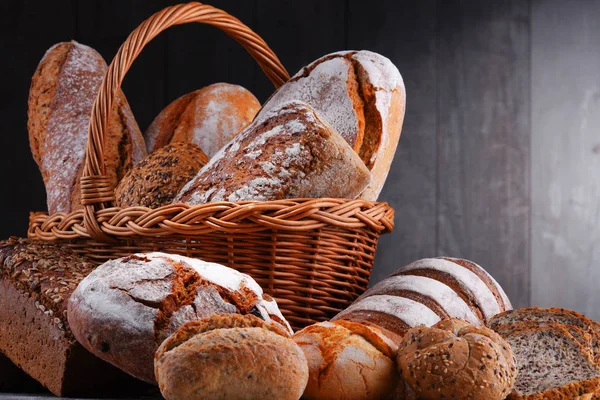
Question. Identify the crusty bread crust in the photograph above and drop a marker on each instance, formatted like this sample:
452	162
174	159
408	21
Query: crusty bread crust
230	356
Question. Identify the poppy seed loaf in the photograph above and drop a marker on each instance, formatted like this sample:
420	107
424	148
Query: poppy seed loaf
289	153
156	180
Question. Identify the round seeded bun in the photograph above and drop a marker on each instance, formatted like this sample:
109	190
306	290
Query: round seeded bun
230	356
156	180
456	360
348	360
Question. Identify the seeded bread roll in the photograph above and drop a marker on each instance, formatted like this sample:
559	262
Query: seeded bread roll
36	281
156	180
361	94
209	117
127	307
289	153
456	360
230	357
61	96
427	291
348	360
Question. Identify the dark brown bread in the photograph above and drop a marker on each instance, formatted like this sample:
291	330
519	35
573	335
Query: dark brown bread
127	307
36	280
156	180
62	92
289	153
13	379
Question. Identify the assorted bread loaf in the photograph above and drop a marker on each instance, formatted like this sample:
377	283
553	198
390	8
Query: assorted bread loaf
63	90
36	282
127	307
289	152
230	357
209	117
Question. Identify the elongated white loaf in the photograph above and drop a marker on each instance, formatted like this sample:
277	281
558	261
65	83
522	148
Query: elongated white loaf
426	291
361	94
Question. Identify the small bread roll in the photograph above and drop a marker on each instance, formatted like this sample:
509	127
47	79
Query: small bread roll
156	180
348	360
456	360
230	356
209	117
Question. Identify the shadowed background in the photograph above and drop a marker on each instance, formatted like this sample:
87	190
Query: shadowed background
499	159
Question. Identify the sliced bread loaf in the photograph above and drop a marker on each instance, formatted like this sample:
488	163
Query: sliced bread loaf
551	363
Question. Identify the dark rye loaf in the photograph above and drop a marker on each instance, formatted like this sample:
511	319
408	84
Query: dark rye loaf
36	280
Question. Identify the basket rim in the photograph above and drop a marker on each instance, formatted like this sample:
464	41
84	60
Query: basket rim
186	221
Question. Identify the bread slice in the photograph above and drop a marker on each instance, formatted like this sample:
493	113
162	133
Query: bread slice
552	364
541	316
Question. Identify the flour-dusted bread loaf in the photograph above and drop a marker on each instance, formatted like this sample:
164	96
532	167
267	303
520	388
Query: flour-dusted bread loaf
61	96
290	152
426	291
456	360
209	117
127	307
36	281
157	179
230	357
348	360
361	94
551	363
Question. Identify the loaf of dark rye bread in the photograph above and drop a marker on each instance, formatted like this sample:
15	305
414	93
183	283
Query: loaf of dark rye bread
128	306
290	152
36	281
63	90
426	291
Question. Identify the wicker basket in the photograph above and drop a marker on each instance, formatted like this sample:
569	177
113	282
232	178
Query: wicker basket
313	255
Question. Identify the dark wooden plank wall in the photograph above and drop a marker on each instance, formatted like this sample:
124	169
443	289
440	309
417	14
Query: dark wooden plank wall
500	141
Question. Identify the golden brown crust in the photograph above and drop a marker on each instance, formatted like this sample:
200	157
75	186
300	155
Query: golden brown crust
455	359
345	361
156	180
230	357
209	117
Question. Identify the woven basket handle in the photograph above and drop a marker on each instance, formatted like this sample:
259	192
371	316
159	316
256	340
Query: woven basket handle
96	190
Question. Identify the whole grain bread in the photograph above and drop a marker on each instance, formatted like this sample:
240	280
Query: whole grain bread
209	117
157	179
230	356
63	89
361	94
36	281
456	360
426	291
127	307
551	363
289	153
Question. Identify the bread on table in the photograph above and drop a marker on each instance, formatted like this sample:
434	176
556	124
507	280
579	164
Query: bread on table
63	89
36	281
348	360
230	357
157	179
289	153
127	307
456	360
361	94
551	363
209	117
427	291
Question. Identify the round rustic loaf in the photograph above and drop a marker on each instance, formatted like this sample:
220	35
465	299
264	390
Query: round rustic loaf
288	153
457	360
209	117
361	94
230	357
62	93
126	307
426	291
157	179
348	360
